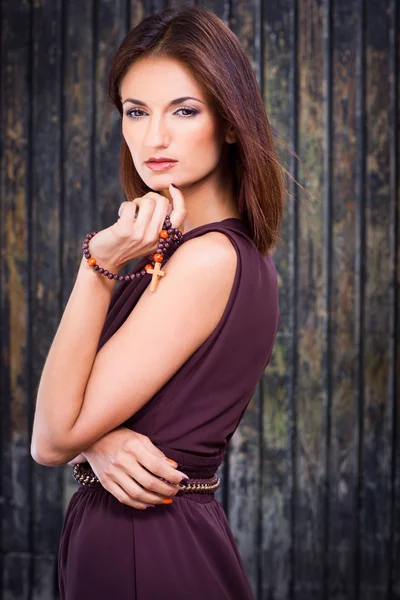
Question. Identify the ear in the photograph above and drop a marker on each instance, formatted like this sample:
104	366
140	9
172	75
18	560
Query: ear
230	135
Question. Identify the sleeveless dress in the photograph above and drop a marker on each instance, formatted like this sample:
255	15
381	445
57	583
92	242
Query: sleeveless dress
186	549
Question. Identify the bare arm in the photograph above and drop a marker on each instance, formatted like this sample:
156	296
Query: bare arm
82	395
70	359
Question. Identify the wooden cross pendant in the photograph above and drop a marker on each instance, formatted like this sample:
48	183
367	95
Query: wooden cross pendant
156	272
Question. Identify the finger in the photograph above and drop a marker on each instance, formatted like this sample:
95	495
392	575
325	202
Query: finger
139	493
145	485
120	494
140	201
157	221
161	467
157	452
146	206
141	463
178	213
157	466
126	219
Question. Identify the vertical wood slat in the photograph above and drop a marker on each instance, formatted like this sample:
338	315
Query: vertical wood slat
394	303
15	298
45	201
375	506
310	467
359	285
280	93
327	299
342	476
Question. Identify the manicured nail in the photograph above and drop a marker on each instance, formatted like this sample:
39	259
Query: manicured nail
185	481
175	464
167	501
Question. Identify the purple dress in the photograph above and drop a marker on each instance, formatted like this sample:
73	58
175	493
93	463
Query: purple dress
185	549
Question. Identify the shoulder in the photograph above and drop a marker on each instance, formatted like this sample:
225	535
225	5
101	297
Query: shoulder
212	250
198	279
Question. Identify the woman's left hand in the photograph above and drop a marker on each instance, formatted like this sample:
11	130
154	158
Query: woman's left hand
130	238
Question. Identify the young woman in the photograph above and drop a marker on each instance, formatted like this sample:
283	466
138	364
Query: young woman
149	381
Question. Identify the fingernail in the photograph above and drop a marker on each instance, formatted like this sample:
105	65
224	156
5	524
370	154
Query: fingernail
175	464
167	501
185	481
175	186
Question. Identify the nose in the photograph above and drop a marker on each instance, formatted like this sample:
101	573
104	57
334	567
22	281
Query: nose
157	133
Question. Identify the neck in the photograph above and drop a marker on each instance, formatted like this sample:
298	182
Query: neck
207	201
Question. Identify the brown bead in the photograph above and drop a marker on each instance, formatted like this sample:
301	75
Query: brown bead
158	257
91	262
148	266
164	234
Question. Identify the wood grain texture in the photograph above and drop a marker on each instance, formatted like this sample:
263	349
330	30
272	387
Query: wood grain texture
310	468
277	469
375	524
15	299
45	269
342	482
311	479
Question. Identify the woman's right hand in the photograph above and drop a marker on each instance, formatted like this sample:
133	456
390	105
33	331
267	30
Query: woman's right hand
132	468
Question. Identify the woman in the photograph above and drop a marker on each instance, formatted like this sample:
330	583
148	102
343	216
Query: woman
146	378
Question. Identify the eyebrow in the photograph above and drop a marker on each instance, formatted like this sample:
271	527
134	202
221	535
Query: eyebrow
172	103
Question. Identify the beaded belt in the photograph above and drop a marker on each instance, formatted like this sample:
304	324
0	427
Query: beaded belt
84	474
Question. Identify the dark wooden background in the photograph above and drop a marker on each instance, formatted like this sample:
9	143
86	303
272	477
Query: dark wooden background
311	483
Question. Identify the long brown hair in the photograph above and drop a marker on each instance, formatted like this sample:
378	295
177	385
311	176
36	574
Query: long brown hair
201	41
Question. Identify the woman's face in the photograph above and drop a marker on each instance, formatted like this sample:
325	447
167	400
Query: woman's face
158	122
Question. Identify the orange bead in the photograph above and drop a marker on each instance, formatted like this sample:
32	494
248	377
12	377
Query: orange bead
163	234
148	266
91	261
158	257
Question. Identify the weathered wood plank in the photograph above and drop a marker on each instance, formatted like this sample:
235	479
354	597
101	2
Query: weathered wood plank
277	468
394	298
342	480
375	464
15	298
310	467
46	279
110	26
16	575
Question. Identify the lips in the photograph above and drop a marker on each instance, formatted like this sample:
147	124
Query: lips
162	159
160	166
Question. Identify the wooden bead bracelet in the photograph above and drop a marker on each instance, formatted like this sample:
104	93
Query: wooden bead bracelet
168	236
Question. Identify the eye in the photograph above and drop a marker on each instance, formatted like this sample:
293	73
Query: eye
133	112
191	111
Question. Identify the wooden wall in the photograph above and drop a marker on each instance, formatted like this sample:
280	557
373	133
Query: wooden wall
311	483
